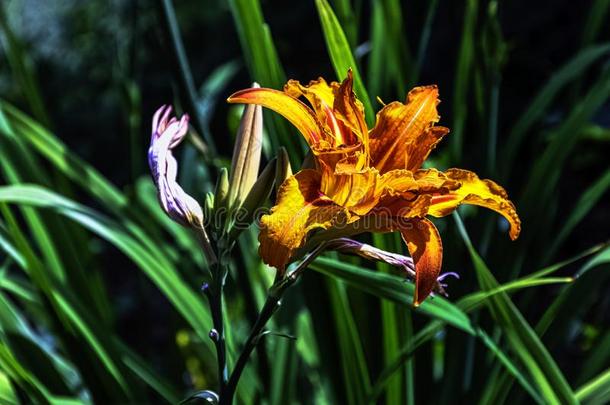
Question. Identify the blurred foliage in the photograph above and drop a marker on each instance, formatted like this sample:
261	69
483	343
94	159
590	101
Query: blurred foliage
99	291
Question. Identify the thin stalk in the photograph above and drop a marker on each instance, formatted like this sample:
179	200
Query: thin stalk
214	295
214	292
273	302
186	76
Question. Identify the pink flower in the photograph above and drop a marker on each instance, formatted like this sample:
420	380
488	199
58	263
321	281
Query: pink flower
166	135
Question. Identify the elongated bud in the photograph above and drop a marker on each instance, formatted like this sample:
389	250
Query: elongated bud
246	154
208	206
283	169
255	199
353	247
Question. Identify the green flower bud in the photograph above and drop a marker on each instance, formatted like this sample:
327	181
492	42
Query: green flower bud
246	154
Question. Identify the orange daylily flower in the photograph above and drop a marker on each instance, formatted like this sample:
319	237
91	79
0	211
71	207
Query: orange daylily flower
368	180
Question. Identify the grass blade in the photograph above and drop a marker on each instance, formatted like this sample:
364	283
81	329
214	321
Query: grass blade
266	69
596	391
393	288
355	368
186	77
522	338
341	54
569	72
463	79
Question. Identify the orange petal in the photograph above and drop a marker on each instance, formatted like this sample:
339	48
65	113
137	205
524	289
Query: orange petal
350	111
417	152
426	249
403	135
321	96
397	182
292	109
317	92
407	194
300	208
358	191
484	193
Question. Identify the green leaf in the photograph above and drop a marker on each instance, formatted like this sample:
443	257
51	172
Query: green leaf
22	69
597	15
186	77
353	361
596	391
341	54
393	288
51	148
538	108
463	76
394	320
542	182
266	69
7	394
583	206
160	271
522	339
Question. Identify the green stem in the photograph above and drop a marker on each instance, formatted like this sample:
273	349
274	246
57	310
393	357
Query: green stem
214	294
274	297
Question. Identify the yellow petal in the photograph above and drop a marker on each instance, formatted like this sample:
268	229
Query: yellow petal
358	191
292	109
300	208
407	194
417	152
484	193
426	249
397	182
403	135
321	96
350	111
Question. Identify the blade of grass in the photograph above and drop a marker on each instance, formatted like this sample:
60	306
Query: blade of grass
23	70
393	288
377	72
472	302
266	69
542	182
186	77
161	272
538	107
425	37
596	391
353	361
341	54
10	365
392	319
583	206
521	337
595	21
7	393
597	359
462	78
400	63
347	18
